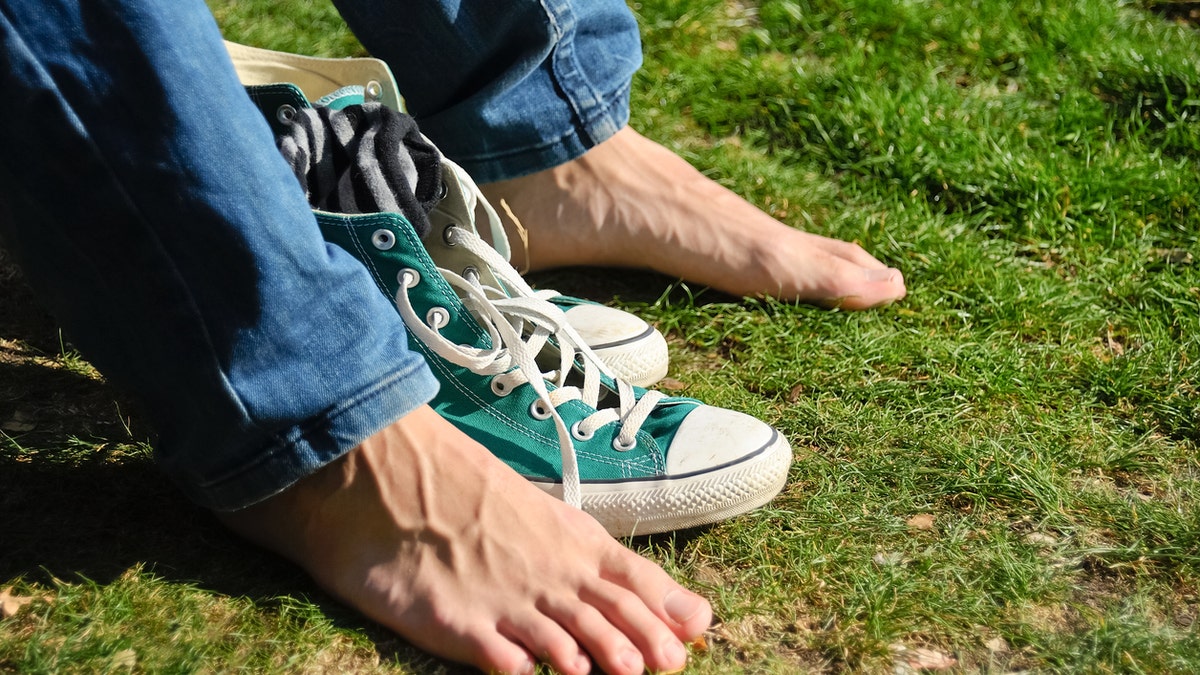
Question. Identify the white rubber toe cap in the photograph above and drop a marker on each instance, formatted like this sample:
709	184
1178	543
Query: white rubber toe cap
712	437
631	348
602	326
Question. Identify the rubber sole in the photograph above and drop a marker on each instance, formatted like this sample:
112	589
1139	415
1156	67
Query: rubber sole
649	506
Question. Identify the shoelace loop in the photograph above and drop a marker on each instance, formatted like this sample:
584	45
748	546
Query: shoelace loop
519	329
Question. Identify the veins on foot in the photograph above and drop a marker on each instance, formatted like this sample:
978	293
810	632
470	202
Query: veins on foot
423	530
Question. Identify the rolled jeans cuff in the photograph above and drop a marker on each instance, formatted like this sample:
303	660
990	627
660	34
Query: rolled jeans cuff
302	449
509	88
546	153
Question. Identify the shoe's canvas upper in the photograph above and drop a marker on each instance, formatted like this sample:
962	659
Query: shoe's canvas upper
315	76
574	425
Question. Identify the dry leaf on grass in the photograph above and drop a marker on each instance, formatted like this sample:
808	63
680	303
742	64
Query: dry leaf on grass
670	384
126	658
11	604
921	521
920	659
887	559
1039	539
1173	256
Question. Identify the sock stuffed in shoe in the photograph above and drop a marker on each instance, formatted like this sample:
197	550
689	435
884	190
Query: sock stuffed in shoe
364	158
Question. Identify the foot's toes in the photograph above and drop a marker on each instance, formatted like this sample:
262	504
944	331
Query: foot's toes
607	643
860	288
492	652
651	630
843	274
690	613
847	250
550	642
685	614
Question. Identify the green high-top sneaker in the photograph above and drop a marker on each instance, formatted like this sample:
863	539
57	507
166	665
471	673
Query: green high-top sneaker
519	379
280	82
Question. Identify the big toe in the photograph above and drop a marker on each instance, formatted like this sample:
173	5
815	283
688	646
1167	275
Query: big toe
691	613
869	288
848	286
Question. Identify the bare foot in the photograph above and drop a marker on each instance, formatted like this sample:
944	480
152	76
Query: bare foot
629	202
423	530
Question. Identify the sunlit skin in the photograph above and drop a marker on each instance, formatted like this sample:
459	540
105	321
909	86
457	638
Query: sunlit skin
423	530
630	202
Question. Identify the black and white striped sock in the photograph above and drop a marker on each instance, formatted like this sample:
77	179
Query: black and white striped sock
364	158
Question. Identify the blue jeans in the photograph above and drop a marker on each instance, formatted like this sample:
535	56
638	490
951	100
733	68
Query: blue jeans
143	196
506	87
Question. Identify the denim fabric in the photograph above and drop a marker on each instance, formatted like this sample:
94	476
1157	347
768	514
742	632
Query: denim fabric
506	88
143	195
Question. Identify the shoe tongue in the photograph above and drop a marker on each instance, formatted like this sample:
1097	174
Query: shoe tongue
463	204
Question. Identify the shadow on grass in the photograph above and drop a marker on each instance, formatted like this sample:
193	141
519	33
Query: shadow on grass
630	286
74	509
79	494
98	518
1183	11
81	498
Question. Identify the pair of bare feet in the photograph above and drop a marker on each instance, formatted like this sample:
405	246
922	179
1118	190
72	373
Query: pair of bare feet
423	530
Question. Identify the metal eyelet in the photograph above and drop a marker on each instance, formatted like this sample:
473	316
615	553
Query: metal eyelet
437	317
449	236
537	412
373	90
443	190
471	273
285	113
408	278
383	239
499	388
621	447
578	434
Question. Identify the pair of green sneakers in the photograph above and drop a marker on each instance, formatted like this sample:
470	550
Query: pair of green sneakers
535	377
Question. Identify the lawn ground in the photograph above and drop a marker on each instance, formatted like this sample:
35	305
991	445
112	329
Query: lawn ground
997	474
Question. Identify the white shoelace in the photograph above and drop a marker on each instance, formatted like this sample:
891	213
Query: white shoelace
473	201
520	328
473	198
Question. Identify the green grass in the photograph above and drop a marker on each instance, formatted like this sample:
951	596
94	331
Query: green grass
1032	167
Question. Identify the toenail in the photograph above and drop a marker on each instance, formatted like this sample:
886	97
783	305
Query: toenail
583	664
682	606
526	668
886	274
674	653
632	661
